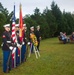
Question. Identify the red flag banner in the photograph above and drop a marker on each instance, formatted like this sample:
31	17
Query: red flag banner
20	24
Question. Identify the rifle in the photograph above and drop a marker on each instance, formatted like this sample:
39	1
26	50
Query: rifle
20	53
26	53
8	61
30	50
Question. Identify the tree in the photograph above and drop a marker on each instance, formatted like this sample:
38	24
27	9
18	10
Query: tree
36	16
58	15
6	13
2	22
51	20
40	20
37	11
70	22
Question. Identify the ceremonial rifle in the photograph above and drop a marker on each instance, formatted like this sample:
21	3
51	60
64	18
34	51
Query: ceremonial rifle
8	61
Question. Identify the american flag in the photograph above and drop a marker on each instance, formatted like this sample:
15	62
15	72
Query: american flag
13	26
14	39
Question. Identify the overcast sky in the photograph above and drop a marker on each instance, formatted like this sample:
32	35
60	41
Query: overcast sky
28	6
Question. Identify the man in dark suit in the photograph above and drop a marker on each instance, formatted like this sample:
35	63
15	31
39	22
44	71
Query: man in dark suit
38	35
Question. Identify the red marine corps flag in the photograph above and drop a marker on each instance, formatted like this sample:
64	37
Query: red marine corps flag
20	29
20	25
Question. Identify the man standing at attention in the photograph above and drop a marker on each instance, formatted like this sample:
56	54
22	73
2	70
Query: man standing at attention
38	35
7	48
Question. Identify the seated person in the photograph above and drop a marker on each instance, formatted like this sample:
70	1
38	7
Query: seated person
64	38
72	36
60	37
67	38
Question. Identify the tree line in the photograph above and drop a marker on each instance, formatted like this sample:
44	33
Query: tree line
52	21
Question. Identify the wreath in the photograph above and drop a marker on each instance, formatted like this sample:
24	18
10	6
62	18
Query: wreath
34	39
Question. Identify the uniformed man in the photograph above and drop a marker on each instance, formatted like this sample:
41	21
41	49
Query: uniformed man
38	35
31	42
23	50
34	43
7	48
18	45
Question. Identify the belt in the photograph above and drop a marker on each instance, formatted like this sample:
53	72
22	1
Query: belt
8	41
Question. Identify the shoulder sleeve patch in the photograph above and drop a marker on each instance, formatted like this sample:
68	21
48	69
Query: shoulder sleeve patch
3	36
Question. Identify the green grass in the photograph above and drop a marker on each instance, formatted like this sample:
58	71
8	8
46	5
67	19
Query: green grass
56	59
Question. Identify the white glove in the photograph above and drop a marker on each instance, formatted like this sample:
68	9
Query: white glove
11	48
18	44
25	38
1	44
14	50
23	43
28	43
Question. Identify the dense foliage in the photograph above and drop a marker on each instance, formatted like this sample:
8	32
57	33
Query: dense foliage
52	21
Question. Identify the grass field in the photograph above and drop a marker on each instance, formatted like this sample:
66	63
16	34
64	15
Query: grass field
56	59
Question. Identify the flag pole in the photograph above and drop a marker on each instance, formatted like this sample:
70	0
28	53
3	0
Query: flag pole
20	28
14	52
13	38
